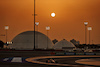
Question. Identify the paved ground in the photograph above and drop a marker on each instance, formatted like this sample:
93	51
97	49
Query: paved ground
25	54
66	60
13	55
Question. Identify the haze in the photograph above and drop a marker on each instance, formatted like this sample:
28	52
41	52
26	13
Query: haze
67	24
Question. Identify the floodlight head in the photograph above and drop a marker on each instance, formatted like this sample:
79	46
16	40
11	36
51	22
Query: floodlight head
47	28
6	27
37	23
85	23
89	28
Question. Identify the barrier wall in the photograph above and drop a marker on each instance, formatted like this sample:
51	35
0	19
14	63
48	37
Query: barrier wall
72	53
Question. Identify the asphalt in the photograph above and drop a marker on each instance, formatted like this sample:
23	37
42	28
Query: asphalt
26	54
29	54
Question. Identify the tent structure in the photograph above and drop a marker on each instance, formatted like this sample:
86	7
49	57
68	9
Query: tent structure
64	44
25	41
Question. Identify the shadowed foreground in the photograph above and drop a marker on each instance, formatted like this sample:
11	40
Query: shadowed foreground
29	54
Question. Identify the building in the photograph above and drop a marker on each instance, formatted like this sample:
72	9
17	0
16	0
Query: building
54	41
25	41
64	44
74	41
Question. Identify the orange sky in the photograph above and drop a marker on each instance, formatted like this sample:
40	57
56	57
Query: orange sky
68	23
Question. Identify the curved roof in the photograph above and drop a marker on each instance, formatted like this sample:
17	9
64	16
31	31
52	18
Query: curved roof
63	44
25	40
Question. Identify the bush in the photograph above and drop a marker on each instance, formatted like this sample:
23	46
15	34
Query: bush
1	44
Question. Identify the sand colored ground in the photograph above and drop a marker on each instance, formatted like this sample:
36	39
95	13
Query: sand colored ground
89	61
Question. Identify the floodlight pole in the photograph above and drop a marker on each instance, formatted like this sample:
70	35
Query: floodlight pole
47	28
6	28
6	35
85	34
47	39
89	37
89	28
37	23
34	24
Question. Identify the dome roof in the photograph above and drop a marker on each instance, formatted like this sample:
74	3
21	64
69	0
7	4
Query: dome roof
25	40
63	44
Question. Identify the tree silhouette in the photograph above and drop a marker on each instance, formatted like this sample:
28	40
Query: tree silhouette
1	44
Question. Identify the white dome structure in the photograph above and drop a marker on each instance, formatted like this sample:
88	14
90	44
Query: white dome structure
25	41
64	44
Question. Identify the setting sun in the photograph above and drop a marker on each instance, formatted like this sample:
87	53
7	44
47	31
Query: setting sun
53	14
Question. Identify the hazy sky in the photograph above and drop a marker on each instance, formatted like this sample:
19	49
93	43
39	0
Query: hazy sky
67	24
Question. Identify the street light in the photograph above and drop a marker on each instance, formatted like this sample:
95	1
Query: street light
6	28
37	23
47	28
89	28
53	14
85	32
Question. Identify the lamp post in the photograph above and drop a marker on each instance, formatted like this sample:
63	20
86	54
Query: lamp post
47	28
6	28
37	23
85	23
89	28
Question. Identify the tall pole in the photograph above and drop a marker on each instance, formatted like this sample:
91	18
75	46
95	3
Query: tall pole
6	36
47	28
37	23
37	36
85	34
47	39
34	24
6	28
89	28
89	36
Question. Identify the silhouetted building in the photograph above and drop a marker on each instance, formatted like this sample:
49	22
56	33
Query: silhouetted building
77	42
1	44
74	41
64	44
88	46
54	41
25	41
